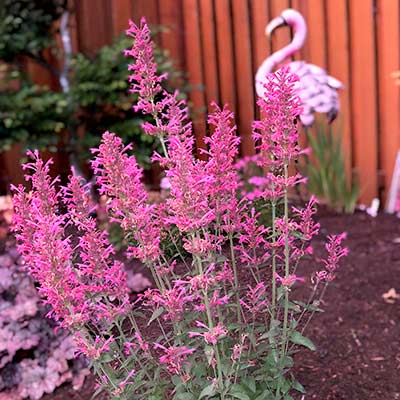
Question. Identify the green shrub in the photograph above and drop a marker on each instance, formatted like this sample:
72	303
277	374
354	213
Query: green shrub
100	95
33	115
98	100
326	171
25	26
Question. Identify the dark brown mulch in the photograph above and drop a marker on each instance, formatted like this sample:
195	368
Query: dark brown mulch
358	335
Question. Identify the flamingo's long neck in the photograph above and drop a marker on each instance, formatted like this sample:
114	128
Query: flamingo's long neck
300	31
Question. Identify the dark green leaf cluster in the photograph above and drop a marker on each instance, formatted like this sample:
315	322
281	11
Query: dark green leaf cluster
33	114
99	98
25	26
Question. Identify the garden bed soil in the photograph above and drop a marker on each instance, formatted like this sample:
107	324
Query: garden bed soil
358	335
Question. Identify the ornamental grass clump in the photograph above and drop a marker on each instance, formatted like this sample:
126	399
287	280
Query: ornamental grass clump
219	324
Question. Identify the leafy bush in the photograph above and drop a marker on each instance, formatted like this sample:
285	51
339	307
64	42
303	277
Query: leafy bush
100	95
326	172
33	115
25	27
221	324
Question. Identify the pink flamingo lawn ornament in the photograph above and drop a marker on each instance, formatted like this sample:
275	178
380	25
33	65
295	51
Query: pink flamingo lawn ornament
317	90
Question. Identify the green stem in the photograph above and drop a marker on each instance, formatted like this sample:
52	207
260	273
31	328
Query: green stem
236	282
211	326
121	332
162	141
157	279
287	259
103	370
177	248
273	259
313	312
163	331
132	319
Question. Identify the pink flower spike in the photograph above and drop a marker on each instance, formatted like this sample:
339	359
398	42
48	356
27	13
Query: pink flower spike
126	382
289	280
277	132
174	357
255	299
94	349
211	336
307	226
335	252
120	178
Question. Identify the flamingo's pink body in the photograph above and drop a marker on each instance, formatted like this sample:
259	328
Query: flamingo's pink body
316	89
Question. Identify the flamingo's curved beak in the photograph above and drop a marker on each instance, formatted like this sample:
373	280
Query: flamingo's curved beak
275	23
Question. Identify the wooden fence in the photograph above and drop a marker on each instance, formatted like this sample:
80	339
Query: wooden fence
221	43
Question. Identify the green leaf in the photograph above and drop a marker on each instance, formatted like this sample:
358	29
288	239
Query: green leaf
155	315
240	395
287	362
176	380
271	333
298	338
207	391
280	293
284	385
298	235
184	396
296	385
294	307
267	394
239	392
309	307
251	384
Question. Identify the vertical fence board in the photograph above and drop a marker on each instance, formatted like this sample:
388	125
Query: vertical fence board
301	7
244	75
148	9
121	11
316	33
338	58
145	8
40	75
194	67
261	44
225	53
259	20
282	36
171	35
12	173
73	26
209	51
363	96
388	34
94	24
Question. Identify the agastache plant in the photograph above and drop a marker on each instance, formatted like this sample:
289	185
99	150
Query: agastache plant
219	322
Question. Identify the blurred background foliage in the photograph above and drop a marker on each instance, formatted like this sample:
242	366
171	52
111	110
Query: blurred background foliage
326	171
101	99
25	27
98	100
